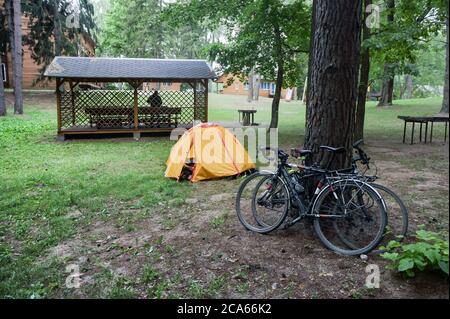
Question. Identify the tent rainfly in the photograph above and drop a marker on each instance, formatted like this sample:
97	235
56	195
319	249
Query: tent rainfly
88	102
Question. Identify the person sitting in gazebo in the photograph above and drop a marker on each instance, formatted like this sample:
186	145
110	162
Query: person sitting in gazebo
155	100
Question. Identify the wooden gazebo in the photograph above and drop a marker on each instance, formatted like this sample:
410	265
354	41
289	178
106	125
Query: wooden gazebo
88	104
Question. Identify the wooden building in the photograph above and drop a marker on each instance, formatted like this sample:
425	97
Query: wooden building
237	87
132	109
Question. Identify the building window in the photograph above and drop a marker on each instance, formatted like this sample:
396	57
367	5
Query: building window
265	86
167	83
3	72
236	86
246	86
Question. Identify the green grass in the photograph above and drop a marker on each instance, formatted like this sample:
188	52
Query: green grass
43	181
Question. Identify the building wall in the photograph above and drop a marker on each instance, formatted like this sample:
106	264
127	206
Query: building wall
239	88
164	86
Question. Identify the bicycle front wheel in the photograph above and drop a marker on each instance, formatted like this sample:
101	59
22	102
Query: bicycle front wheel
262	202
350	217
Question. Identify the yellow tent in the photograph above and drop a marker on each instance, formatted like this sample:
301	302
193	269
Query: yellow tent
214	150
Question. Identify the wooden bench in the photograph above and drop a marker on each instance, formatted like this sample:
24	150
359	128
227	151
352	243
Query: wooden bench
118	117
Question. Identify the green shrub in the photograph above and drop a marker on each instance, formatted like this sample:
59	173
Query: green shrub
429	252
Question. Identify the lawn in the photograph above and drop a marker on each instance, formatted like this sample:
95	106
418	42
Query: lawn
104	206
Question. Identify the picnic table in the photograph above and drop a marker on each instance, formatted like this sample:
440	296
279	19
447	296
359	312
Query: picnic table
423	120
248	117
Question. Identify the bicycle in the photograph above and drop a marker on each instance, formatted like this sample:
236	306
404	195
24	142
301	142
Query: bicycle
398	215
339	207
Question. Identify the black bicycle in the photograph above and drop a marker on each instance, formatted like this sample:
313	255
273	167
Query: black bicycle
397	211
349	215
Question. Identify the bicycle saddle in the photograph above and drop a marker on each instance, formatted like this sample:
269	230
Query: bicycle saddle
336	150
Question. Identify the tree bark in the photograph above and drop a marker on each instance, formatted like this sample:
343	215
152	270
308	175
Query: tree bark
444	108
310	61
334	79
10	21
363	81
18	72
57	30
250	86
256	84
387	90
2	96
277	96
280	75
408	87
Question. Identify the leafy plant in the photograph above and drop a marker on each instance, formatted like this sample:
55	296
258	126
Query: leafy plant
429	252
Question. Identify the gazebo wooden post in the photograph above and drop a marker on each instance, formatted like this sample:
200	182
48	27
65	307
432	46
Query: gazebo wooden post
205	85
58	106
135	85
195	101
72	102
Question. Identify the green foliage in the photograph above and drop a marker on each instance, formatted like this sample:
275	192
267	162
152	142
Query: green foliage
45	17
429	252
260	34
138	28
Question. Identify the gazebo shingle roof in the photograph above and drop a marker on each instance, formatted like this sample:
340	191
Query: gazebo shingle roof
126	68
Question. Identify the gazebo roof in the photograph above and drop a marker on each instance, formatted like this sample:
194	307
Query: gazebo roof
126	68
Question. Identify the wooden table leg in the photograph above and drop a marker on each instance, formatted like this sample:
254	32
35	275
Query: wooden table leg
404	133
431	132
420	134
445	134
426	131
412	132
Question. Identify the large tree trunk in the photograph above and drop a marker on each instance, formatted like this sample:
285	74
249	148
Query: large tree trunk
333	79
18	73
387	90
277	96
310	61
444	108
363	81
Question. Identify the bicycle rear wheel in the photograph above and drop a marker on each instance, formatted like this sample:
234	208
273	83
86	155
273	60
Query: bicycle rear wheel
262	202
397	214
351	217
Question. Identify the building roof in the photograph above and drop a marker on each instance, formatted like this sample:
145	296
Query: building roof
126	68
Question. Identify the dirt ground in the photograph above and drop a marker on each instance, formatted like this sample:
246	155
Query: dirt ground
199	248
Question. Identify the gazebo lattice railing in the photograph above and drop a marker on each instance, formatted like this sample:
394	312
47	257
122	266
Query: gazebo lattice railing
84	111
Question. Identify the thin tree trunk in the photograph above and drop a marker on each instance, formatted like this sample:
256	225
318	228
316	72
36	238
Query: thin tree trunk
256	84
2	96
387	89
57	30
10	21
18	73
444	108
250	86
277	96
363	81
408	87
333	83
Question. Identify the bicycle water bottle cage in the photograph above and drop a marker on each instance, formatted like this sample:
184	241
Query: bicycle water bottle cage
298	152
